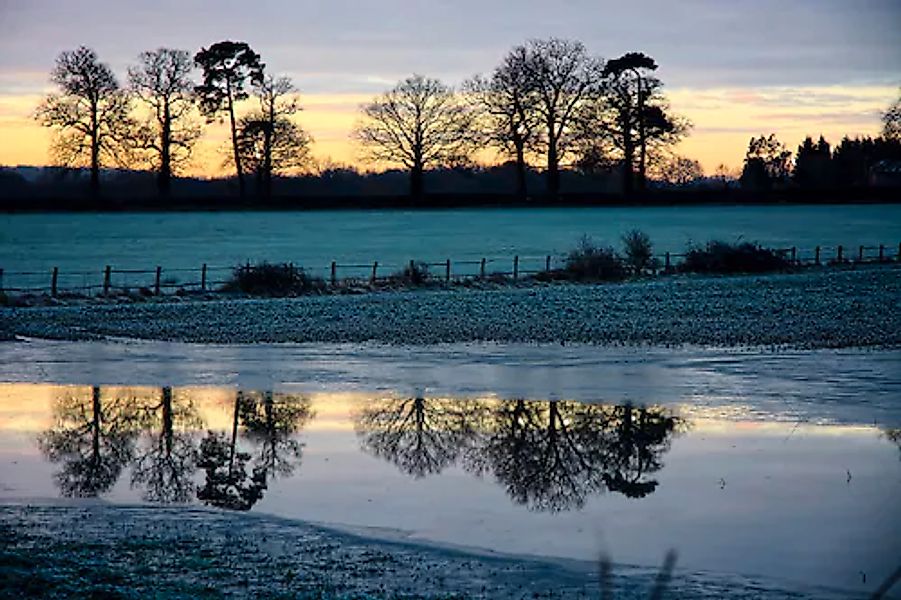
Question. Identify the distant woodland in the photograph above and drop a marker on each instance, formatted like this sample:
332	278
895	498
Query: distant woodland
563	124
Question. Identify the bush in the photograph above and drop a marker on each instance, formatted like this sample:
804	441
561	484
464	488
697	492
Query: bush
266	279
595	263
639	251
723	257
416	273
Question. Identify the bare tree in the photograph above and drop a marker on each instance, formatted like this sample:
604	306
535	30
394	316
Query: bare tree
419	124
90	112
162	82
506	103
227	66
564	77
891	121
680	171
268	140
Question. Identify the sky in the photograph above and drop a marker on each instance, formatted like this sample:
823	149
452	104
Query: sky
735	68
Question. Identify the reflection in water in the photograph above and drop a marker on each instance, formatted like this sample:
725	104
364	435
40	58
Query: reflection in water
894	436
227	483
93	438
167	460
270	421
548	455
421	436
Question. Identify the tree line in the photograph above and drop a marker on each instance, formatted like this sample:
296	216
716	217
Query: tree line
547	99
548	103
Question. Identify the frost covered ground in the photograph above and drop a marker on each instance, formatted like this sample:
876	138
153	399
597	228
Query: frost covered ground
137	552
816	309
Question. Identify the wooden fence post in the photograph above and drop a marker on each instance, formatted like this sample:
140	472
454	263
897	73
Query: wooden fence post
547	263
816	259
881	252
107	272
1	279
860	254
334	274
375	268
156	283
53	280
897	256
839	253
482	270
794	255
203	278
447	272
412	267
667	264
515	267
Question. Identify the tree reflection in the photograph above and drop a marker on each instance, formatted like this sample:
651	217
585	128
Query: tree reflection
550	456
420	436
227	483
93	438
894	436
271	421
166	464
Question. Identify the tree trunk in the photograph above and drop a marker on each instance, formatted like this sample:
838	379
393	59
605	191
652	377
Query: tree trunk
553	170
234	128
628	156
642	138
521	191
416	183
95	152
267	159
164	177
168	433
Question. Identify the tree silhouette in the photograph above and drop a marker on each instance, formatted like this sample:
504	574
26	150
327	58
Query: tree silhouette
93	438
564	78
270	421
630	118
90	113
419	124
227	483
162	82
506	103
227	67
767	162
891	122
680	171
550	456
268	140
420	436
813	163
166	463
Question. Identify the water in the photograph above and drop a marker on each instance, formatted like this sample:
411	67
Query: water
780	466
87	242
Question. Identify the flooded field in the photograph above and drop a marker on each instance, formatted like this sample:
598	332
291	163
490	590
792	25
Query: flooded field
782	467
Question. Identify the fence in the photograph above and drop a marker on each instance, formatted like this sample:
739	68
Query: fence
206	278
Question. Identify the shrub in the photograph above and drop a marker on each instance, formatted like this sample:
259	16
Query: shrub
639	251
266	279
416	273
723	257
592	262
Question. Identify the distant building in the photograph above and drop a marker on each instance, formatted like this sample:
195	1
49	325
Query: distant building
886	173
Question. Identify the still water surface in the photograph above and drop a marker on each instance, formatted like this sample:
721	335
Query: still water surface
732	490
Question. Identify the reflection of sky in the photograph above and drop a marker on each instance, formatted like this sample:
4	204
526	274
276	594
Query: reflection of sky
737	492
735	69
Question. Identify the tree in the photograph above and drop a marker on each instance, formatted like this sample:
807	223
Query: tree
813	164
891	122
632	117
268	140
680	171
227	483
90	113
506	103
166	463
162	82
563	77
227	67
419	124
767	162
420	436
272	421
94	440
